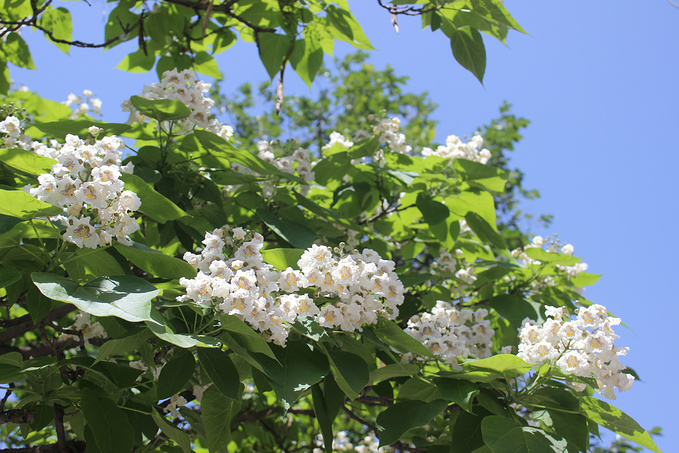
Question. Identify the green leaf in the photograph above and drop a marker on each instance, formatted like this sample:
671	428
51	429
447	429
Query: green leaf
62	128
161	109
350	372
506	364
153	204
110	427
297	369
484	230
480	175
8	275
572	427
307	59
418	388
585	279
124	296
218	410
617	421
396	420
127	344
176	373
219	367
503	435
204	63
433	211
346	28
272	51
137	62
17	203
546	257
281	259
58	21
469	51
26	161
466	429
17	51
87	264
213	143
393	370
394	336
515	309
37	304
459	392
294	233
155	262
322	416
176	434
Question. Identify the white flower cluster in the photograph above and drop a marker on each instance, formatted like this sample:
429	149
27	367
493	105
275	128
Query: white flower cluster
342	442
86	184
451	332
455	148
335	138
299	162
580	347
83	104
363	285
12	128
183	86
88	327
388	130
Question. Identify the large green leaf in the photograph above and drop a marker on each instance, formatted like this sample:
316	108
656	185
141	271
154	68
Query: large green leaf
17	203
219	367
486	232
307	59
393	370
457	391
503	435
26	161
295	234
272	51
346	28
282	258
127	344
245	336
350	371
506	364
546	257
433	211
176	434
394	336
58	22
218	410
469	50
153	204
17	51
160	109
124	296
299	369
64	127
138	61
176	373
110	427
394	421
8	275
163	330
515	309
572	427
155	262
322	416
465	429
617	421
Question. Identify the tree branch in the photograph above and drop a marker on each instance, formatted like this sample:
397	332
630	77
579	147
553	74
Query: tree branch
27	324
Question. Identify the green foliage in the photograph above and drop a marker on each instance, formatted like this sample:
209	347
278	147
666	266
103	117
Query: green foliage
112	345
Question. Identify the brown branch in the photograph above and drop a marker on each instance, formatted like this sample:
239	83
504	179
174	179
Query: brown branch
40	349
27	324
59	426
17	416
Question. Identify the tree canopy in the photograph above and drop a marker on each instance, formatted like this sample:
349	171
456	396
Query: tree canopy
178	283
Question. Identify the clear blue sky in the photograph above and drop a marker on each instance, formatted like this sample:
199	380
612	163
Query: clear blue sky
600	83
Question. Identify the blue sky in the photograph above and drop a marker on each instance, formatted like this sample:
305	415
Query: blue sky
599	83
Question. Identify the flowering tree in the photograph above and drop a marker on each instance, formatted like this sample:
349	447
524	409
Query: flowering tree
189	294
